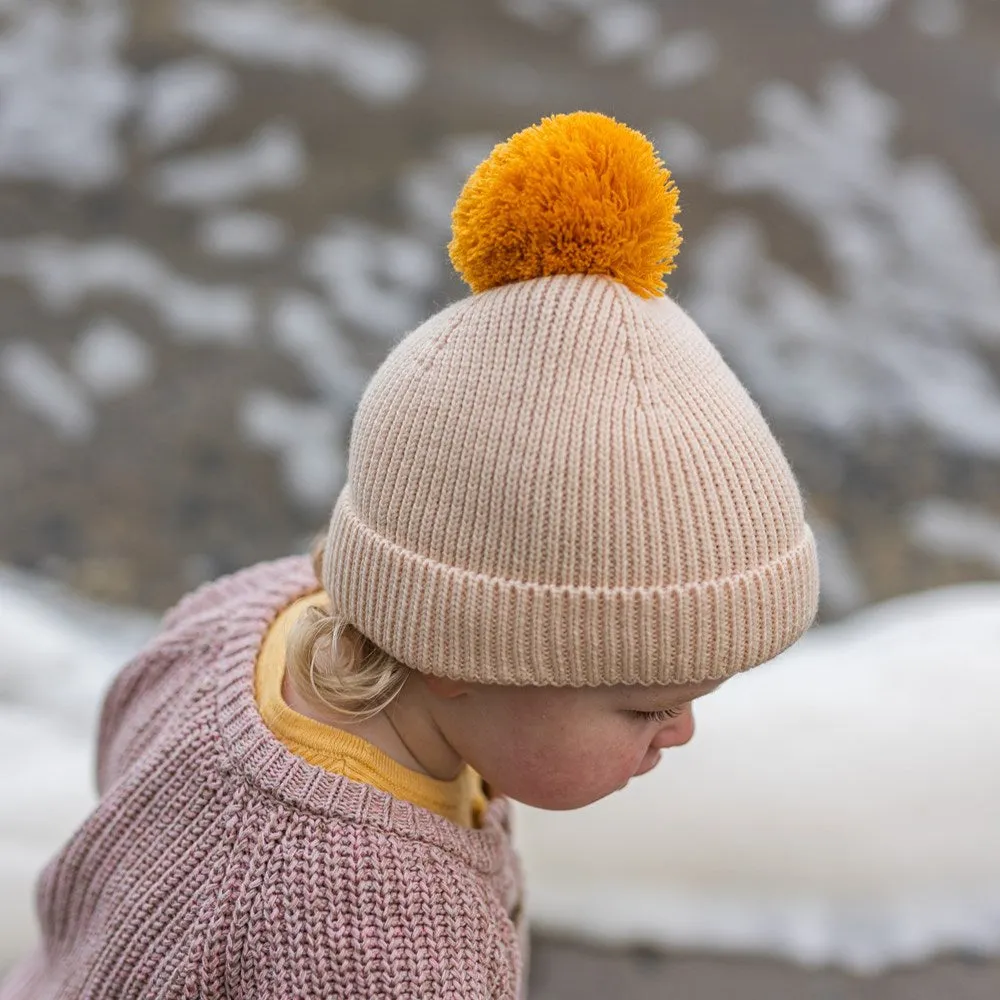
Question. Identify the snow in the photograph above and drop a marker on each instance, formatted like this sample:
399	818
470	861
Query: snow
616	30
110	359
60	649
837	805
32	378
306	436
106	360
179	98
682	58
64	91
429	188
938	18
953	529
59	654
684	150
843	587
273	158
619	30
242	234
899	341
45	796
548	13
853	14
373	277
63	273
371	62
304	331
934	18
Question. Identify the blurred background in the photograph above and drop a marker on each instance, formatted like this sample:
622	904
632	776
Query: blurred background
217	216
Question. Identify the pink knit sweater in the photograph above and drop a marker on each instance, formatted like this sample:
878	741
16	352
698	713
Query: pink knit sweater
217	864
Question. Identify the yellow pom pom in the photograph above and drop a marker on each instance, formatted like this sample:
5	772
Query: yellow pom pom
575	194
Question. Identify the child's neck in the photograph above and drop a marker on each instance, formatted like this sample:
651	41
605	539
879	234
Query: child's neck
406	731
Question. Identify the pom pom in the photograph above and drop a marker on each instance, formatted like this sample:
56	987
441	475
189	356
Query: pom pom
575	194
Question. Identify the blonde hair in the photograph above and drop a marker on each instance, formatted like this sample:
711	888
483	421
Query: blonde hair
328	660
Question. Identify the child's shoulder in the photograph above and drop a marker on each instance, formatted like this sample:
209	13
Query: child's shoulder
276	582
154	686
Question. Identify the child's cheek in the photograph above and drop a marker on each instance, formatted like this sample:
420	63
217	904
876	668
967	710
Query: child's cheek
570	776
606	764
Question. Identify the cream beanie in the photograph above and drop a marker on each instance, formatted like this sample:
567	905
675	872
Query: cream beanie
557	480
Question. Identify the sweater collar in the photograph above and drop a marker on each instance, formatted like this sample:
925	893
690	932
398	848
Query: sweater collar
252	602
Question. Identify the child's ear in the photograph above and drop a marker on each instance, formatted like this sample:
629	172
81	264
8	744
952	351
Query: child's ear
445	687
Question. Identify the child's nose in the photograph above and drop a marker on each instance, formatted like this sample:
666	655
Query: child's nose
676	733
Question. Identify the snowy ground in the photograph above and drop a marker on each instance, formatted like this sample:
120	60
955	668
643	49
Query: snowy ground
840	805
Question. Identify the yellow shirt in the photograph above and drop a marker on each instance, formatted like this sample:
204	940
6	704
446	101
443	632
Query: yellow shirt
460	800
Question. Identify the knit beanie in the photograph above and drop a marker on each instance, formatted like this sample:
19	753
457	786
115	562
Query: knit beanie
557	480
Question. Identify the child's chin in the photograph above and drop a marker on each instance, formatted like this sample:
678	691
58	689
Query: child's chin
566	803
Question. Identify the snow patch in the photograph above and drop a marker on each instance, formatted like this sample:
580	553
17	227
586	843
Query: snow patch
242	234
64	92
371	62
853	14
374	278
110	359
63	273
684	150
613	30
682	59
620	30
306	438
429	190
42	388
60	653
46	795
937	18
302	329
61	650
179	99
953	529
549	13
917	293
273	158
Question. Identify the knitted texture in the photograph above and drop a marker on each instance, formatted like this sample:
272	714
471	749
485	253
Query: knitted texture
217	864
559	482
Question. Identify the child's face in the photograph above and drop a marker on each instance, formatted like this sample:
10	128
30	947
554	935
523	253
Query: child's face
562	748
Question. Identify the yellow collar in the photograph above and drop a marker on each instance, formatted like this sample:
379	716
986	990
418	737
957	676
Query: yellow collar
460	800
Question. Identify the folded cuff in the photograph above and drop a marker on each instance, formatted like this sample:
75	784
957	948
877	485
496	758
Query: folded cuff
451	622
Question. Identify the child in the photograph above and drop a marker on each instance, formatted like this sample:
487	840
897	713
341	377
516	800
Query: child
564	521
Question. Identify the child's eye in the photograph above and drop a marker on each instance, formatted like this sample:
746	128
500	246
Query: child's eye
661	716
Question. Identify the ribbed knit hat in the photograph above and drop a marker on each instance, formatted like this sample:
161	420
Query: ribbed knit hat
557	480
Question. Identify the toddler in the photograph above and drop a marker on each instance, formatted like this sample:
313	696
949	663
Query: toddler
564	520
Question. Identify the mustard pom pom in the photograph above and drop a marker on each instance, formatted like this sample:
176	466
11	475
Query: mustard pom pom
575	194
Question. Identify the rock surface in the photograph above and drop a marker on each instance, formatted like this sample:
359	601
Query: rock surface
216	218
